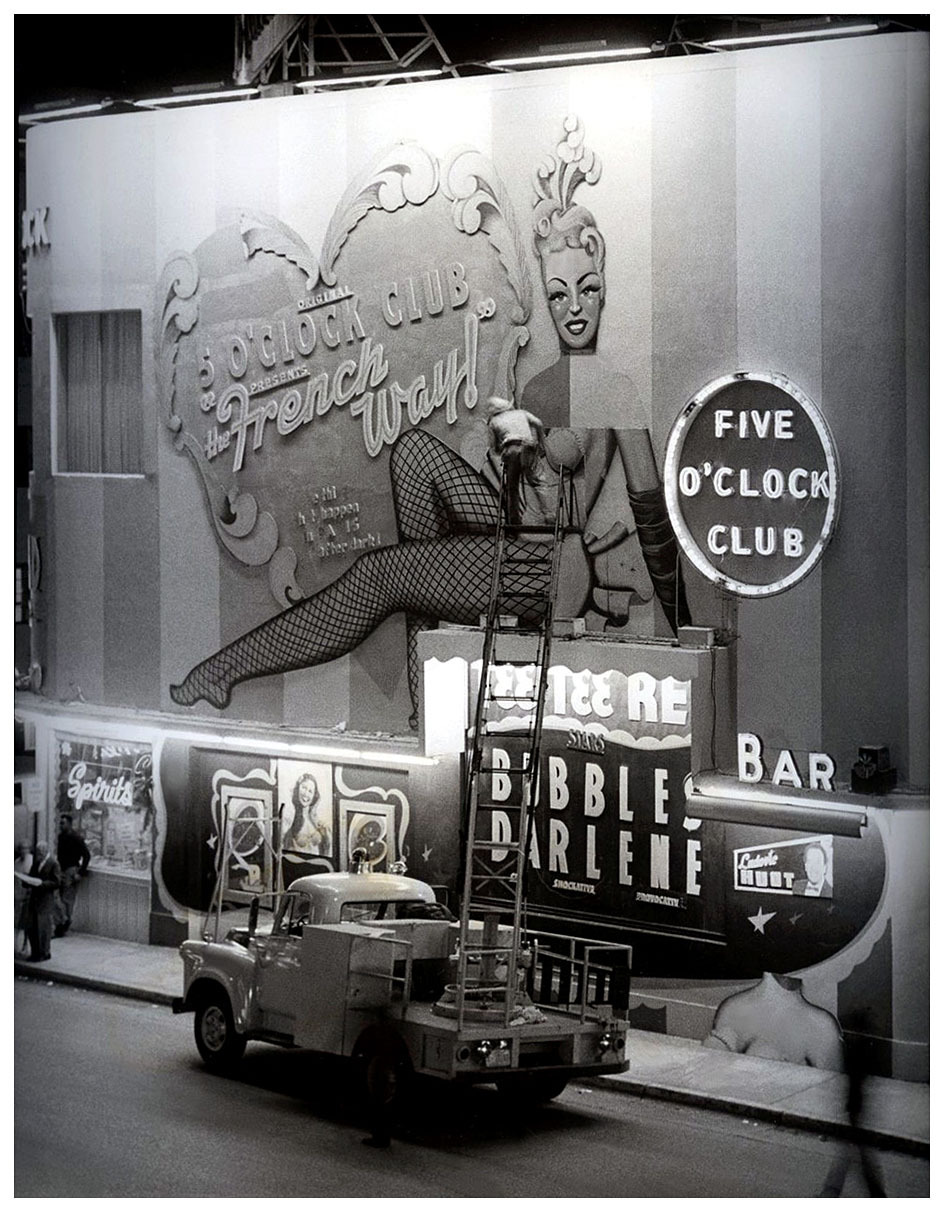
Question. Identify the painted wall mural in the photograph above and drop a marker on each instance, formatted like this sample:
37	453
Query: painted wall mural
232	819
267	355
774	1019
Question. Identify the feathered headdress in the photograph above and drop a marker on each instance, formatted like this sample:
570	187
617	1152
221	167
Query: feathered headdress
556	179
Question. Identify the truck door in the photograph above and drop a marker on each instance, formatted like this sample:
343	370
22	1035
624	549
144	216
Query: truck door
280	964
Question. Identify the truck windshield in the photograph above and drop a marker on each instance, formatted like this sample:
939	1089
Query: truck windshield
374	911
364	911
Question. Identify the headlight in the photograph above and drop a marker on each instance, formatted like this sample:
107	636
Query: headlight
492	1052
611	1042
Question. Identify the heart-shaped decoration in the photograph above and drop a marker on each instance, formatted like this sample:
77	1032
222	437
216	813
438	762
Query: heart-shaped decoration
288	378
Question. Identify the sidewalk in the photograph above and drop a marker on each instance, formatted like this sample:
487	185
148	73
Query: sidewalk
896	1114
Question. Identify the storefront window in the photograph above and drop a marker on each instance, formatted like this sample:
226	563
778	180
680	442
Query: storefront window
98	392
106	787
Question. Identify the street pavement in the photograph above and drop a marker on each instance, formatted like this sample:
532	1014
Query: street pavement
895	1114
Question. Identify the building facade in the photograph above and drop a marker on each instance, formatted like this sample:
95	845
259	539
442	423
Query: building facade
265	338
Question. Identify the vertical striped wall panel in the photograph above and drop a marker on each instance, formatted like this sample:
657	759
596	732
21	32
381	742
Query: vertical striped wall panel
243	592
864	618
183	182
189	572
78	550
917	406
779	188
694	252
131	593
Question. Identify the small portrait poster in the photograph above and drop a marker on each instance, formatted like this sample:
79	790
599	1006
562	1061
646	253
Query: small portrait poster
802	867
307	814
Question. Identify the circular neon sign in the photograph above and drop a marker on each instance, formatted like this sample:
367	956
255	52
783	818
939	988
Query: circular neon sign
752	483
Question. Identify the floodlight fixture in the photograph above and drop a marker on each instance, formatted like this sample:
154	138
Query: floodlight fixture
368	78
800	34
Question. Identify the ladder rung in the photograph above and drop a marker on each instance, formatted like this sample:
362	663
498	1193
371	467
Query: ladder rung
525	573
515	595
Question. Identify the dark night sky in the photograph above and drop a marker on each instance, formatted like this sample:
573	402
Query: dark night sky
67	57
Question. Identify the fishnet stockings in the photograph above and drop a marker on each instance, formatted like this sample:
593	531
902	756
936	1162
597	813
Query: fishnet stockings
442	570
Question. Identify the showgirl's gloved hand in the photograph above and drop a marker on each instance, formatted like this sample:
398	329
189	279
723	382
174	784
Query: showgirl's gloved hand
595	544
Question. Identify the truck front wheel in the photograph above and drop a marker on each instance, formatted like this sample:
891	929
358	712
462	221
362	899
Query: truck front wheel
218	1042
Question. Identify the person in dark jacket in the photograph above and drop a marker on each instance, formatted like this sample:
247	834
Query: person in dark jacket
73	856
41	911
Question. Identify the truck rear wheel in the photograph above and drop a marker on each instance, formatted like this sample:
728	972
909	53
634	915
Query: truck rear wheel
218	1042
533	1088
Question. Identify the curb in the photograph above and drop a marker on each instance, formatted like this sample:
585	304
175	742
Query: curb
777	1116
139	993
626	1086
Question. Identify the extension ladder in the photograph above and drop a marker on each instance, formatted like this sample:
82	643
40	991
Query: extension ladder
525	569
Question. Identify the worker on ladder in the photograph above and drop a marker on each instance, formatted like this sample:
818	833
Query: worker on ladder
531	458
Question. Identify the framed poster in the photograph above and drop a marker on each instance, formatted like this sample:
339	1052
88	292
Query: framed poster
369	827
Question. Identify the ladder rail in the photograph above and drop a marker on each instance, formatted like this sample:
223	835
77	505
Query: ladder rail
530	793
474	752
488	952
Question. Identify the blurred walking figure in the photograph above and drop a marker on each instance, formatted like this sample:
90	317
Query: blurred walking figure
41	908
854	1049
74	857
22	862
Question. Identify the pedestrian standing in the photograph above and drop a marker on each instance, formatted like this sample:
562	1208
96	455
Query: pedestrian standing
73	856
41	910
22	862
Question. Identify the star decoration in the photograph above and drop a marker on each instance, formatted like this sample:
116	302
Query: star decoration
793	919
758	920
212	842
427	852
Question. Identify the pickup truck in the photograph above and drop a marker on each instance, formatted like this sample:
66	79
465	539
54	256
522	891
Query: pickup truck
363	965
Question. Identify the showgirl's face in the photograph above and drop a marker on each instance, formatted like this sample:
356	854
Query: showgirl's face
575	293
306	792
